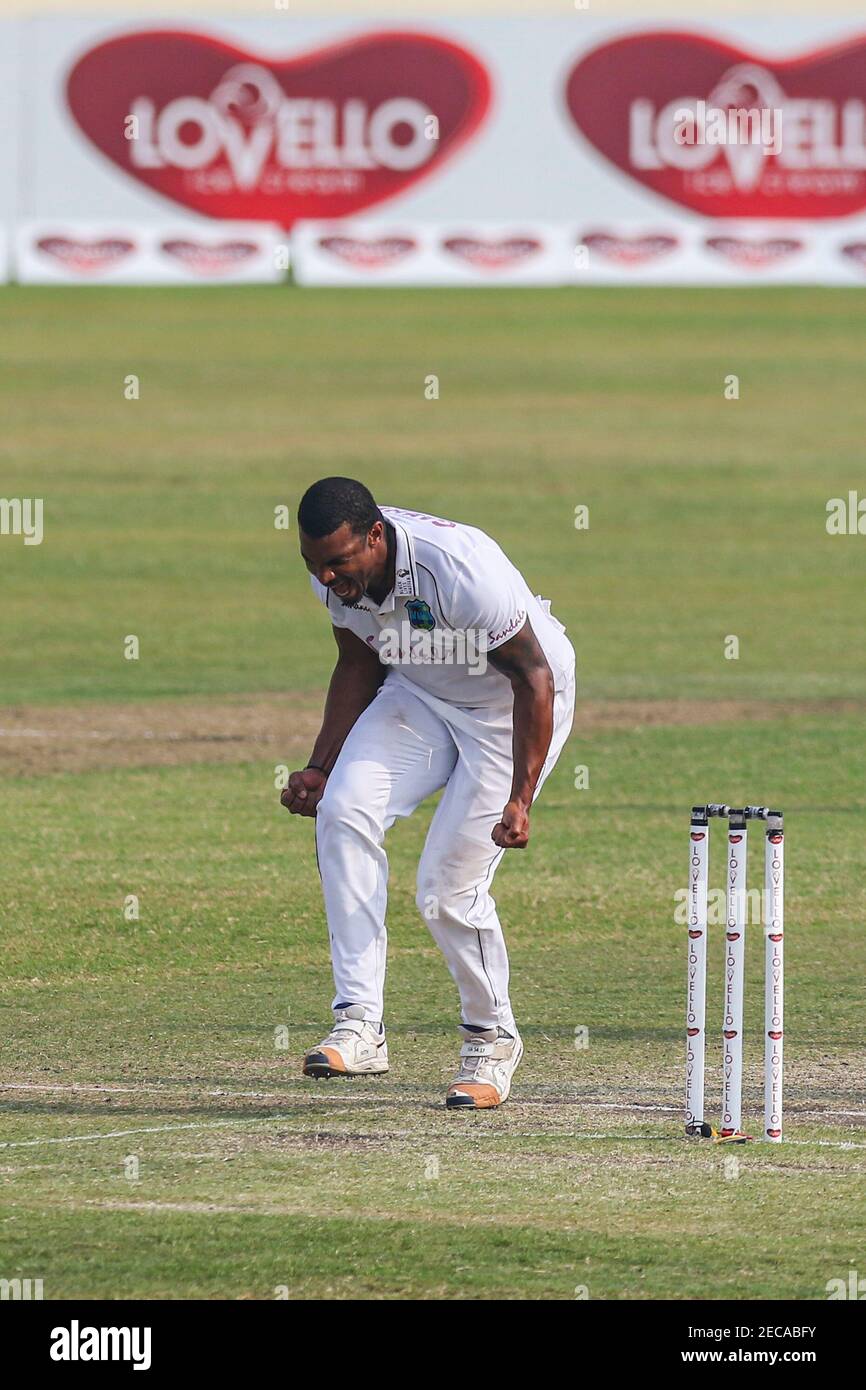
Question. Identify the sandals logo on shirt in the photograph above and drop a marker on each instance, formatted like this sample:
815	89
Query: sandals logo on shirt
420	615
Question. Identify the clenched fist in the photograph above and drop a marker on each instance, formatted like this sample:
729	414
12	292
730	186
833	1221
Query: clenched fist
512	832
304	791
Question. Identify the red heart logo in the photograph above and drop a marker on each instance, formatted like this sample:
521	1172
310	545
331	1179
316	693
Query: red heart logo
631	251
207	259
856	252
235	135
492	255
624	97
87	257
370	254
754	255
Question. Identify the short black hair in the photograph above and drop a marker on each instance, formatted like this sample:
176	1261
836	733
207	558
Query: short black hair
331	501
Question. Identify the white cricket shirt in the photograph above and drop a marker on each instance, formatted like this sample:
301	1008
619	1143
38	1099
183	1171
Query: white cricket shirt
456	597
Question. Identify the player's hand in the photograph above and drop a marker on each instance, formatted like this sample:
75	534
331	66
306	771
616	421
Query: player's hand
512	832
304	791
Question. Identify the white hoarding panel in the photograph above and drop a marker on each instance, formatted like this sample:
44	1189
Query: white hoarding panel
223	252
620	128
414	253
62	251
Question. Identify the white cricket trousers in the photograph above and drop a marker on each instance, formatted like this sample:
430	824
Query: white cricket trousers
405	746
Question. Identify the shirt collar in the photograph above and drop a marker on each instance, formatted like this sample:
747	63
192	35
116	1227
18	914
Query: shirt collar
405	572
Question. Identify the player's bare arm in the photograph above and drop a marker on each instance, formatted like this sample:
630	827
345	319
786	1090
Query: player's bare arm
354	682
524	663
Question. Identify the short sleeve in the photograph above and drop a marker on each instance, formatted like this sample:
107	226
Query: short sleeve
335	608
490	603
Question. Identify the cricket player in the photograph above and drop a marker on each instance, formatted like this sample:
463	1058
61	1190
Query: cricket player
450	674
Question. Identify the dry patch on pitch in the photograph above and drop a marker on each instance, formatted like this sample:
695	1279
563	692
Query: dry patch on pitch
328	1113
634	714
37	740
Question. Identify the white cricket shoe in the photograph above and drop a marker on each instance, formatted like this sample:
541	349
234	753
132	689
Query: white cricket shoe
352	1048
488	1061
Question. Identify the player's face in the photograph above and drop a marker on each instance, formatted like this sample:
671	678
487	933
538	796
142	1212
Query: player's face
344	561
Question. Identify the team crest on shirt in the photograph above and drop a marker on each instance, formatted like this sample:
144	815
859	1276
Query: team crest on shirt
420	615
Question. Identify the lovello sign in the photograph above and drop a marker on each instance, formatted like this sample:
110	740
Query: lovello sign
233	134
627	97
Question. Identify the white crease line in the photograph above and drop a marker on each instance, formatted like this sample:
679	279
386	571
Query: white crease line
672	1139
124	1133
676	1109
824	1143
167	1091
354	1098
113	1090
270	1119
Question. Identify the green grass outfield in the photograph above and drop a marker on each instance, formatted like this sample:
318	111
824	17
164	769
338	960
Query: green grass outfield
156	1137
707	516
